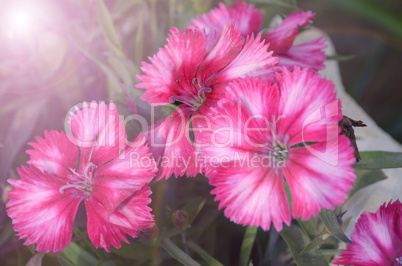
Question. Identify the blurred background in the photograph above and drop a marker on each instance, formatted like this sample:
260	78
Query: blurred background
55	54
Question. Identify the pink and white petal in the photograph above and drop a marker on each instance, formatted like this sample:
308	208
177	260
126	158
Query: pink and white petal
319	176
129	217
98	131
377	239
230	131
173	65
307	54
253	60
247	19
308	107
227	47
55	154
282	37
260	98
170	144
119	179
36	203
252	196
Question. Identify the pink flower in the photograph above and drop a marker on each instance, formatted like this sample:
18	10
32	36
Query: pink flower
281	38
377	239
193	70
267	135
92	164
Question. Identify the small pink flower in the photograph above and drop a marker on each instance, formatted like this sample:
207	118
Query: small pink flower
264	134
281	38
92	164
193	70
377	239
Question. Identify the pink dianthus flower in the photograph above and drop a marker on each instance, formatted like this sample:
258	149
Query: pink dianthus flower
92	164
264	134
377	239
281	38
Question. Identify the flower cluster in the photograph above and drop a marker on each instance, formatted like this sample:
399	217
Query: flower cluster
251	113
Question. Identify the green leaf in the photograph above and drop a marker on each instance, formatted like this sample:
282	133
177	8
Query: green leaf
341	58
109	31
36	259
247	245
366	177
110	263
280	3
63	261
379	160
315	244
297	240
6	233
177	253
203	254
375	12
133	251
193	208
77	255
331	223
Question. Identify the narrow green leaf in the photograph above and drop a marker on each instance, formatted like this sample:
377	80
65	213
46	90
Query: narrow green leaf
133	251
203	254
6	233
63	261
331	223
379	160
280	3
297	240
366	177
375	12
247	245
193	208
36	259
177	253
331	252
341	58
109	31
315	244
77	255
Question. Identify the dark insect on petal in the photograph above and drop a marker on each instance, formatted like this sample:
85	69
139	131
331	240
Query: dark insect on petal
347	125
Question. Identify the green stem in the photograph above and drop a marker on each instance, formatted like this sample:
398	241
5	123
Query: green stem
177	253
247	245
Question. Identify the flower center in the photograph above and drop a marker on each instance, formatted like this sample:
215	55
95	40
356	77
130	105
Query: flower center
81	181
280	152
399	260
194	102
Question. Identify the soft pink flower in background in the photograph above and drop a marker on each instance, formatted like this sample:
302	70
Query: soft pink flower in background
61	174
377	239
193	69
270	121
281	38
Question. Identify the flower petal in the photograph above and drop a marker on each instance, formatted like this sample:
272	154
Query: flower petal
173	65
319	176
96	129
170	143
129	217
118	179
253	60
55	154
245	18
252	196
282	37
377	239
36	203
308	107
307	54
227	47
